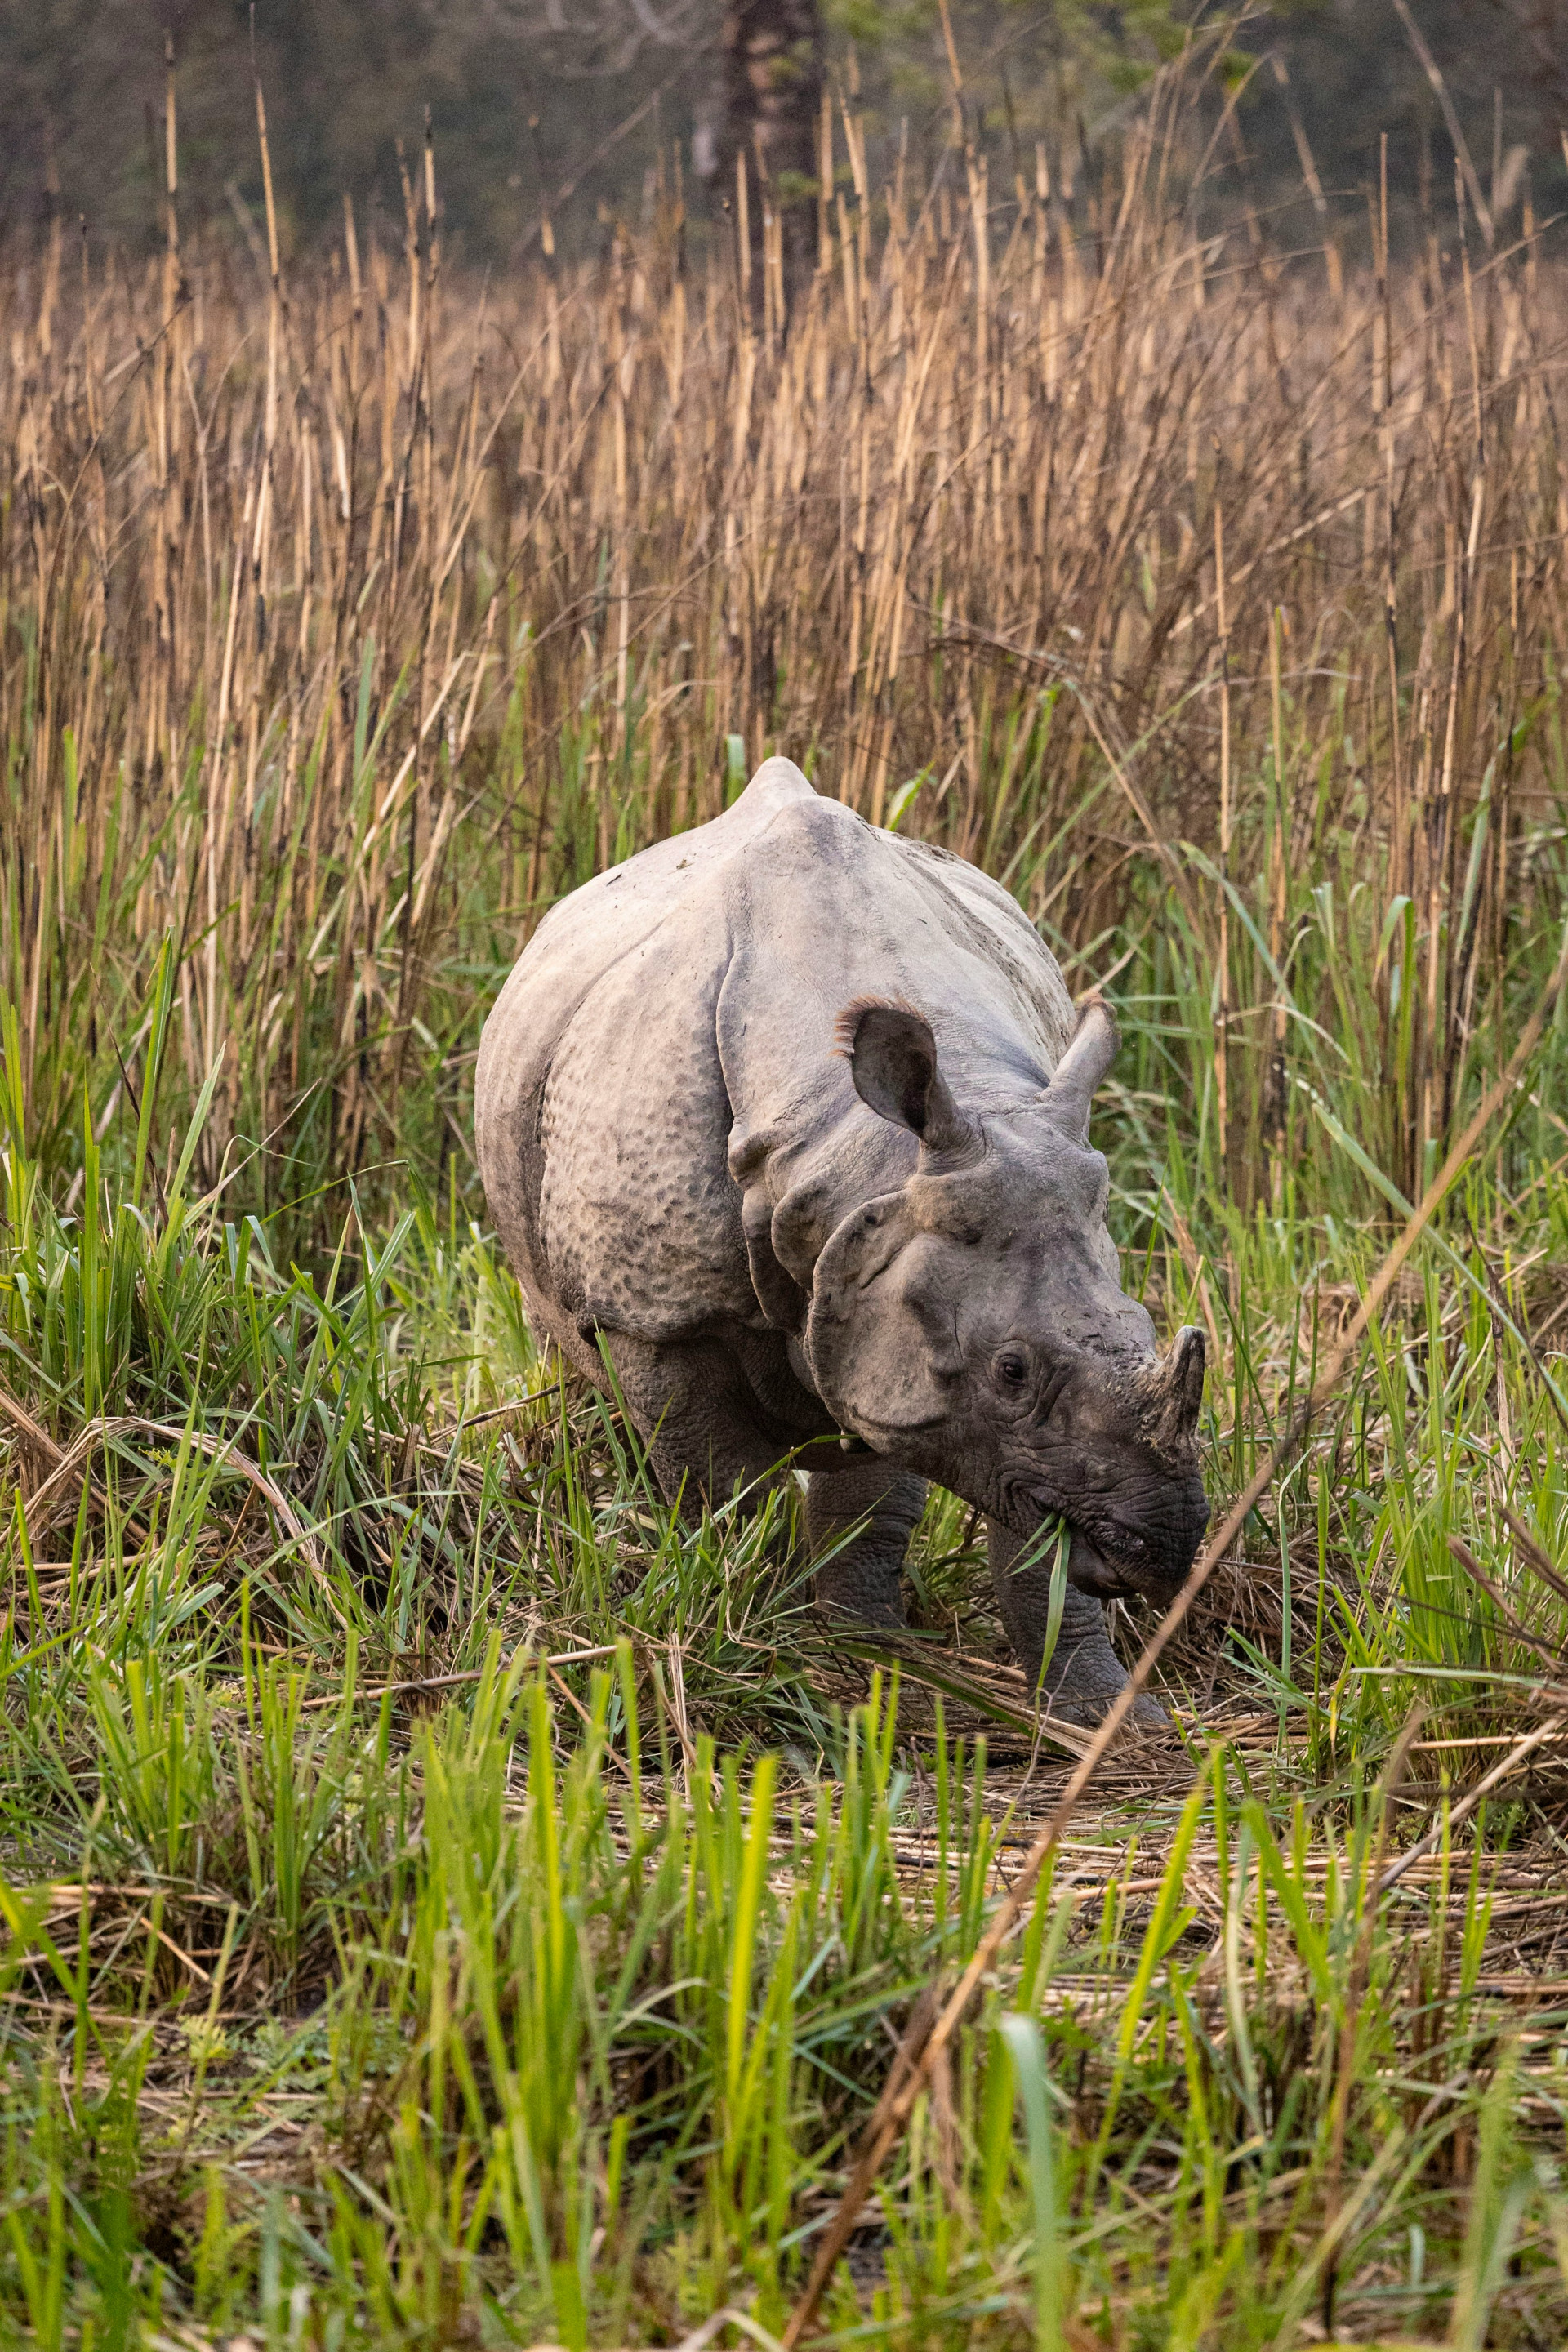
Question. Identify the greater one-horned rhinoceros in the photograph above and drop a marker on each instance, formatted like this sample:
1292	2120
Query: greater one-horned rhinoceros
793	1114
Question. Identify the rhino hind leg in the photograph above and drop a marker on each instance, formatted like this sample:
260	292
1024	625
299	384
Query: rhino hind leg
864	1578
1085	1674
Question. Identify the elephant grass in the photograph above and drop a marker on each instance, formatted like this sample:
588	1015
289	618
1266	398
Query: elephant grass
446	1899
1210	600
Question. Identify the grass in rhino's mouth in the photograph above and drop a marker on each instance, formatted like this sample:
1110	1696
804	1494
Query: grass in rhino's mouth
1094	1560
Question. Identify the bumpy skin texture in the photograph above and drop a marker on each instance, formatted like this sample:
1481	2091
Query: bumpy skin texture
791	1115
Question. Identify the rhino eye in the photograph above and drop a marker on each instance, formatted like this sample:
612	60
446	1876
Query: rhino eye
1011	1370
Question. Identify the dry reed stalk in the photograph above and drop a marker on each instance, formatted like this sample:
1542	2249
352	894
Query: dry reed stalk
377	618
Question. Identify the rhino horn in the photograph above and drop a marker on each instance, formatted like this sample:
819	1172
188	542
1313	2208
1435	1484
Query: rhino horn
892	1055
1174	1390
1089	1055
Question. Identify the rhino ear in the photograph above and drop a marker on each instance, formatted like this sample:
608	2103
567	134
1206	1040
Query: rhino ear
872	1359
892	1060
1089	1056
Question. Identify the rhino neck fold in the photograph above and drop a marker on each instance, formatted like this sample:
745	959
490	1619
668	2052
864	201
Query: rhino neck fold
798	1190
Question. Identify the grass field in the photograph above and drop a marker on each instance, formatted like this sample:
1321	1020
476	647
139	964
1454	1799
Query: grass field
445	1898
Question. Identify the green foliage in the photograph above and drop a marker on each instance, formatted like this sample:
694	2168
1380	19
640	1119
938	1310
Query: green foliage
1025	72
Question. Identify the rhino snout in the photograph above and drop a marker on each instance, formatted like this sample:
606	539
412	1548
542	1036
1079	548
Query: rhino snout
1117	1560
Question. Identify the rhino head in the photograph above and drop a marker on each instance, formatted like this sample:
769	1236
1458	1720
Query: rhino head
969	1326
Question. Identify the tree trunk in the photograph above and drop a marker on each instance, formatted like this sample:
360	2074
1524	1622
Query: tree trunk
773	52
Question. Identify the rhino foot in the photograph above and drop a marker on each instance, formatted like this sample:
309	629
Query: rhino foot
1147	1715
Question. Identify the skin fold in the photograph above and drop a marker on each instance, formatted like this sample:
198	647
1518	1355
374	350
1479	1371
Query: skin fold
792	1115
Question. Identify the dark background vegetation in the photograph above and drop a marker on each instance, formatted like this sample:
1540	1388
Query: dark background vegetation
535	103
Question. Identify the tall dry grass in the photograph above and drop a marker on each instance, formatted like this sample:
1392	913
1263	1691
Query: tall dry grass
350	612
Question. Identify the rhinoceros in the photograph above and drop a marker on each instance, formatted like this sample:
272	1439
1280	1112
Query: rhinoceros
790	1114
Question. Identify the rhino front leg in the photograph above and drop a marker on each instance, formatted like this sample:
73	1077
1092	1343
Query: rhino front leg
864	1578
1085	1673
692	1408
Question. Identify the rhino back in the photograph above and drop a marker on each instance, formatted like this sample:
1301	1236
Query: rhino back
599	1112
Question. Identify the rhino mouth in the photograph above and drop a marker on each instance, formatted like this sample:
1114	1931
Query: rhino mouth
1098	1565
1109	1562
1093	1566
1110	1576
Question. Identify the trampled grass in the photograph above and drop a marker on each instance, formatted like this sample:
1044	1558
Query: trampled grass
446	1898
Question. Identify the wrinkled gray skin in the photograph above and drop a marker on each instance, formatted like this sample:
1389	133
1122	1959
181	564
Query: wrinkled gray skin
794	1115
